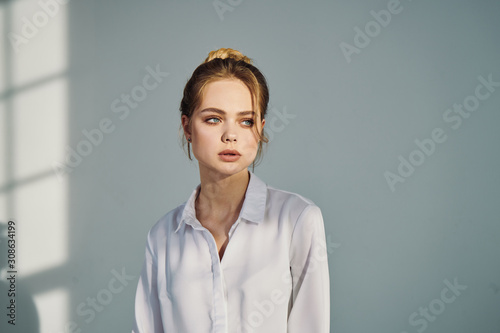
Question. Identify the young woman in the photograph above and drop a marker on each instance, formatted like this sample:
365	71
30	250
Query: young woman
238	255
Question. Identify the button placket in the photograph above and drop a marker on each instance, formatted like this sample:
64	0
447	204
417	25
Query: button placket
220	309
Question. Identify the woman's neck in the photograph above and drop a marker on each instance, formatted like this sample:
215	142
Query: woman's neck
221	197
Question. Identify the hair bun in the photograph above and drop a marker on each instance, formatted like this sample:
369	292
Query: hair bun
224	53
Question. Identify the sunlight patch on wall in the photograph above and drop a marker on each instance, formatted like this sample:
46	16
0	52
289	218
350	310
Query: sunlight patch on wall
40	121
3	144
51	309
3	194
41	213
43	52
4	43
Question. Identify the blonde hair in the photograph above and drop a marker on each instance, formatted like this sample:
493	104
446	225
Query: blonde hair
221	64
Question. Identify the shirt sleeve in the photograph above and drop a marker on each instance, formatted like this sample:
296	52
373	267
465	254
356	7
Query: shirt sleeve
147	305
310	303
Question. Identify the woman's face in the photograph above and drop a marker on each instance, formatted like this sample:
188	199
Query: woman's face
224	121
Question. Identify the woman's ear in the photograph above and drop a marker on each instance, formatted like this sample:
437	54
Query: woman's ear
185	126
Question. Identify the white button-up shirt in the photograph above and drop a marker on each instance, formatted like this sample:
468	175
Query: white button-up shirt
273	276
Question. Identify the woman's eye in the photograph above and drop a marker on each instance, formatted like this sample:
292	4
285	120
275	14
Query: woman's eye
213	120
248	122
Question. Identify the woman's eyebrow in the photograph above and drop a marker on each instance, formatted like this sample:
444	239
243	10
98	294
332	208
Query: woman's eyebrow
219	111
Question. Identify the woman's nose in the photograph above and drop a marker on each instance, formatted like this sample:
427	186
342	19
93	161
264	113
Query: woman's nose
229	136
229	133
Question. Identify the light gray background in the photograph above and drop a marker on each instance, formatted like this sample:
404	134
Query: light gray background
389	251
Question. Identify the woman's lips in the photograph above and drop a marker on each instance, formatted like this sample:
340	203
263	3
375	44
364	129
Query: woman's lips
229	155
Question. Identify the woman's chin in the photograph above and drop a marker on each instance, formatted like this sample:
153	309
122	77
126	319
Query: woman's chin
227	169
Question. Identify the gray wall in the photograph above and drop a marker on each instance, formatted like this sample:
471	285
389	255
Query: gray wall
408	184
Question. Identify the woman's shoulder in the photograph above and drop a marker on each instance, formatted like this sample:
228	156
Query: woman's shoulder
288	202
280	195
167	223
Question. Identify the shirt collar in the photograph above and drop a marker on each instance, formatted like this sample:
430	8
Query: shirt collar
253	209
